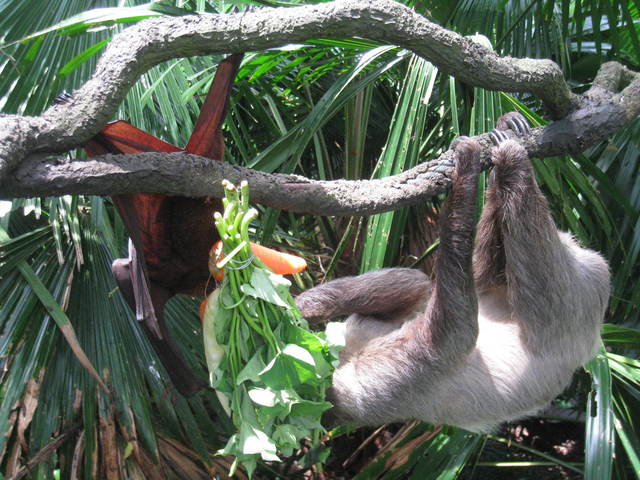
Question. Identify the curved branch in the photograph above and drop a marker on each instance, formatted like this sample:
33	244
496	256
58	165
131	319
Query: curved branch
138	48
191	175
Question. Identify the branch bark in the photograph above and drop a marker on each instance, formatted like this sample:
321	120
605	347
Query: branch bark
24	141
604	111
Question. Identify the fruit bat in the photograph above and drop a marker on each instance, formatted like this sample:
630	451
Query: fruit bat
170	236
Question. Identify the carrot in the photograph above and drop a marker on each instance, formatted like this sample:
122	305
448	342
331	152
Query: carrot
279	262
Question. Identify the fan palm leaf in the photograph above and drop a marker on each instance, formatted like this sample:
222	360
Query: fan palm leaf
326	108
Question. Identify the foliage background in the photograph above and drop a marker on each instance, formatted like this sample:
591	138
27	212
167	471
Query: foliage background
346	108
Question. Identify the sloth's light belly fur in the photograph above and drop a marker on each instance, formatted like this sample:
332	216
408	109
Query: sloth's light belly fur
500	379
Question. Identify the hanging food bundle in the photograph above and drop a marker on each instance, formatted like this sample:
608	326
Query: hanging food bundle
269	371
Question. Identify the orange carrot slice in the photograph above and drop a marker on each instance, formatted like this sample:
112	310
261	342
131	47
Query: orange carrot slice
279	262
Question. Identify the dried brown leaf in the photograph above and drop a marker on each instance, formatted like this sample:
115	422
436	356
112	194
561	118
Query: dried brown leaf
28	406
70	336
78	455
43	454
110	455
401	455
11	422
13	462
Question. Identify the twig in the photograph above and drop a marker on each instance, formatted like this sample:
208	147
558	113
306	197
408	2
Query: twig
44	453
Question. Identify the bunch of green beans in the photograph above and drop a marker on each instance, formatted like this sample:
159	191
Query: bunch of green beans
233	227
269	370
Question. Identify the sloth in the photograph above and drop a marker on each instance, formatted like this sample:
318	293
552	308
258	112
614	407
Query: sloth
500	330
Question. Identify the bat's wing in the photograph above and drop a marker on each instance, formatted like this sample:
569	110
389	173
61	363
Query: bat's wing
169	236
141	214
148	239
206	139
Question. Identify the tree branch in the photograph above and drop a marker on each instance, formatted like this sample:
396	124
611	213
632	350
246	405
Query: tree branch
604	112
612	103
140	47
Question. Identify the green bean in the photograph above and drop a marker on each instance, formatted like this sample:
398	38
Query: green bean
244	194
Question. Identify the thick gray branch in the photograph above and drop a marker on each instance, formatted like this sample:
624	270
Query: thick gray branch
190	175
613	101
138	48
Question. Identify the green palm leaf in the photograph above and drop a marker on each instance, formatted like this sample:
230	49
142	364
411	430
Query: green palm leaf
322	109
599	436
400	153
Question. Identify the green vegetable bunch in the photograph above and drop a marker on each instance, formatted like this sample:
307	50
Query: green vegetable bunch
267	367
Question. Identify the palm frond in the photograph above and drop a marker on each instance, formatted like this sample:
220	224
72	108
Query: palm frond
401	152
324	109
